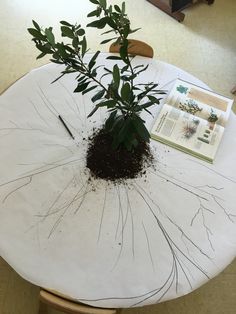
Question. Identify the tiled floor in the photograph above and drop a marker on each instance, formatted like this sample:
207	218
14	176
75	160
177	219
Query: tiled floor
203	45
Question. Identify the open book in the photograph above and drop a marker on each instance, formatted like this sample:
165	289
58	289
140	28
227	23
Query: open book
192	120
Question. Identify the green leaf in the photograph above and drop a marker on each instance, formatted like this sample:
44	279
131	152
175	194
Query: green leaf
125	68
154	99
94	1
94	13
89	89
103	3
82	79
92	112
76	27
58	78
69	70
138	66
124	51
123	8
142	70
107	40
104	75
118	121
36	25
116	7
116	76
61	50
41	55
124	130
98	95
66	23
111	23
67	32
94	72
109	71
50	36
37	34
80	32
56	61
134	30
110	31
144	106
81	87
113	58
84	46
128	78
98	23
110	9
140	128
92	61
109	122
125	91
126	30
75	42
148	89
108	103
69	49
44	49
117	125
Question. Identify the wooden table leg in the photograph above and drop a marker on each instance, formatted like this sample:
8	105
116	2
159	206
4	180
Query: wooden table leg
179	16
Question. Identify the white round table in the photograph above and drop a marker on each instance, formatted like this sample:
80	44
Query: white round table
139	242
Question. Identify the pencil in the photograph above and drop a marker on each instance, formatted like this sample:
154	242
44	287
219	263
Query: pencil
68	130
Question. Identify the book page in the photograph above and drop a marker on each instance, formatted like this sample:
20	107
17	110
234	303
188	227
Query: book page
184	130
200	102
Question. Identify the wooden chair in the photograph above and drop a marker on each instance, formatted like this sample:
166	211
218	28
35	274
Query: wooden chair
68	305
136	47
174	7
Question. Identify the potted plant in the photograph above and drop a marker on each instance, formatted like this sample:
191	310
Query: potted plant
121	147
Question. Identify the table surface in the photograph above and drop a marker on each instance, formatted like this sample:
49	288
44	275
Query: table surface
132	243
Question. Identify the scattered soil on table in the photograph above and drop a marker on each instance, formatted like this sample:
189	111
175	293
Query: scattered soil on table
109	164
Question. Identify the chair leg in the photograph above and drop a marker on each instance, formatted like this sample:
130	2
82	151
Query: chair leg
43	309
179	16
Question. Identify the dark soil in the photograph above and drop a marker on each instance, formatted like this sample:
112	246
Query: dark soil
109	164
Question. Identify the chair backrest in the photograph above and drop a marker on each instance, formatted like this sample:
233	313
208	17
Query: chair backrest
69	306
136	47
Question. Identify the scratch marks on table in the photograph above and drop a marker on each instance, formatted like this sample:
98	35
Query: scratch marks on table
213	170
17	189
67	147
148	245
202	210
102	214
61	85
120	225
129	209
41	117
83	196
168	180
36	173
65	205
24	129
48	104
175	250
